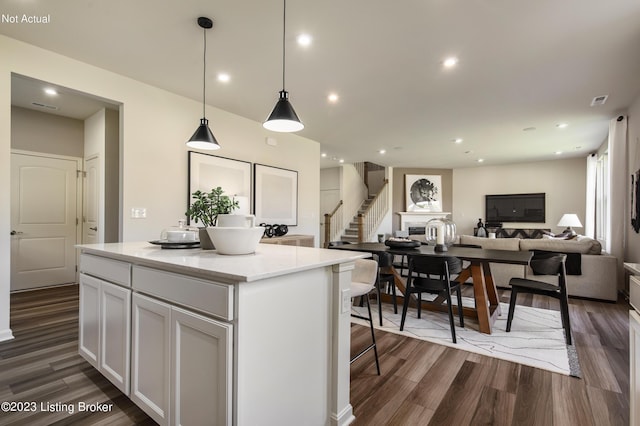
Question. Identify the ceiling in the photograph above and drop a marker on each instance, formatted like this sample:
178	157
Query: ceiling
522	64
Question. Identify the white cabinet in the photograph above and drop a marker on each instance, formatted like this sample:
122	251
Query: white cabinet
105	317
181	364
634	367
115	334
151	357
89	319
104	336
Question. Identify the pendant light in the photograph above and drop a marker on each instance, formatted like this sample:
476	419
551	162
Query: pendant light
283	118
203	138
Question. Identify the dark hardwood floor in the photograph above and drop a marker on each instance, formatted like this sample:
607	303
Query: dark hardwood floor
421	383
427	384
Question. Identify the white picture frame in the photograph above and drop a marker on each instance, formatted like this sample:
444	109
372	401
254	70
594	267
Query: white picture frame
275	195
423	193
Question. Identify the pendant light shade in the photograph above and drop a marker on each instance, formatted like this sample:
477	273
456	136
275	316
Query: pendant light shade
203	137
283	118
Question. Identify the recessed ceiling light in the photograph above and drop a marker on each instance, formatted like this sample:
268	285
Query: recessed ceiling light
304	40
457	140
341	161
382	151
558	152
561	125
224	77
333	97
50	91
450	62
334	158
480	160
323	155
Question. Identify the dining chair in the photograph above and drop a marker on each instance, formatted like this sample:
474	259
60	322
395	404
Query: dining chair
544	264
364	278
386	277
433	275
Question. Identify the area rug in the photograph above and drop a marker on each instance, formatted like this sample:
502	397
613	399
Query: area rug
536	338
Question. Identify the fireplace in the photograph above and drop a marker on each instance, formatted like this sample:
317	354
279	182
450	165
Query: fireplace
412	222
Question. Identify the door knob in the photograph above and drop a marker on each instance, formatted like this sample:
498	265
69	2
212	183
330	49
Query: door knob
16	233
94	228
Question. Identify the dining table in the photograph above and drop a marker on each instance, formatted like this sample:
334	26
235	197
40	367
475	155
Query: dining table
487	304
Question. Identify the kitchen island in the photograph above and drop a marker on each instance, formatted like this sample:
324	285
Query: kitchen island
194	337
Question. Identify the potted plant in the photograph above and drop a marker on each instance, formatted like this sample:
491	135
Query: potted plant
205	209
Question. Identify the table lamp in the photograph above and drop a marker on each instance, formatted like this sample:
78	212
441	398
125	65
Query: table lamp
569	220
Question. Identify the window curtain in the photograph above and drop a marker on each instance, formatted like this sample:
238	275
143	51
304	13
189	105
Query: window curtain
590	215
616	202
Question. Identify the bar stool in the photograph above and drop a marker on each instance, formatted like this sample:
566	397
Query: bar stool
363	280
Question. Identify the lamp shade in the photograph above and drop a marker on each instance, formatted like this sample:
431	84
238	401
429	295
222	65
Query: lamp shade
203	138
569	220
283	118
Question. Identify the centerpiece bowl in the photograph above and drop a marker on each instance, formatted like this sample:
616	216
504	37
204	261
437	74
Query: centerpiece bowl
235	240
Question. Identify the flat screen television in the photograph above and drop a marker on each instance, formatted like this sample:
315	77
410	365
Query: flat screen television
515	208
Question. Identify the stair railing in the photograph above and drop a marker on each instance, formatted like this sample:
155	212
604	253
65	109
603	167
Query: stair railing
369	220
333	224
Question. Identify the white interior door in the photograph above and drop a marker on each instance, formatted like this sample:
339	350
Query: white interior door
91	206
44	193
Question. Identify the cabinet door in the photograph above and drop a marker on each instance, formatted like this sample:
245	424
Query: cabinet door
201	370
150	357
115	335
89	319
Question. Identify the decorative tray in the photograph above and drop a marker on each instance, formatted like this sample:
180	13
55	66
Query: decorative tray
176	245
402	243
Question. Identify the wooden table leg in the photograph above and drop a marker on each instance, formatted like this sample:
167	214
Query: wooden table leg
486	294
492	291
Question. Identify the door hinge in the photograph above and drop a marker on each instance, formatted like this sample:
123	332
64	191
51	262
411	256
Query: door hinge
80	173
76	268
77	221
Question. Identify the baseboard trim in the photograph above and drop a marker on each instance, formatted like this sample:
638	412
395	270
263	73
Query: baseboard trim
344	418
6	335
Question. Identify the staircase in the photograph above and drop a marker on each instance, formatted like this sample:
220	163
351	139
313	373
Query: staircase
351	233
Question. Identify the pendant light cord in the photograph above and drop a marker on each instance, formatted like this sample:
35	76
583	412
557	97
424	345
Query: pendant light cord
204	72
284	31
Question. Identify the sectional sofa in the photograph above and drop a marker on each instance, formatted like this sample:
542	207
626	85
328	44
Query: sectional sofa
594	273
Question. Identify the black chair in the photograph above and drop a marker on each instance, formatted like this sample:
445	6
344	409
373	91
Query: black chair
544	264
433	275
385	261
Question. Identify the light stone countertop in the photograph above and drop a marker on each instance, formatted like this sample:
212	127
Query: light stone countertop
268	261
634	268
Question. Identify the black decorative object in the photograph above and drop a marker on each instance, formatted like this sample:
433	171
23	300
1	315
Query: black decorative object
274	230
635	190
481	231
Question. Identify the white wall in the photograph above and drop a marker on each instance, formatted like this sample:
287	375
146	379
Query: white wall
40	132
155	124
564	182
632	246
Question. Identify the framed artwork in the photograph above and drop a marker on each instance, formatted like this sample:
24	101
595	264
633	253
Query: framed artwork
423	193
275	195
207	172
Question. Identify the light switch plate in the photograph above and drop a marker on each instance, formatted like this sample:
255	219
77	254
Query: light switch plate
138	212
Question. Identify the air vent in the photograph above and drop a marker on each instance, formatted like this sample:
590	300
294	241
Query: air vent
39	105
599	100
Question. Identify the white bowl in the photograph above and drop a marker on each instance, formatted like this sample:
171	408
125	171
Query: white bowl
235	240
